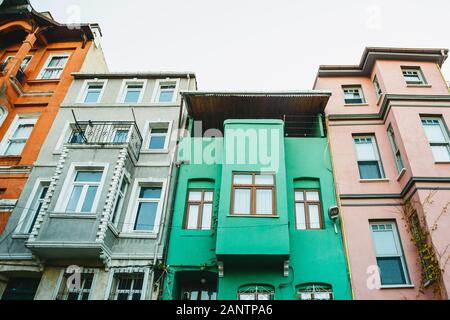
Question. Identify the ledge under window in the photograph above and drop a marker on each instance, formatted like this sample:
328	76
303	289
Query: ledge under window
365	104
397	286
253	216
136	235
442	162
64	215
423	85
401	173
374	180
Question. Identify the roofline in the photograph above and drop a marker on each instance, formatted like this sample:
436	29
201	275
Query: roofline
126	74
437	55
296	93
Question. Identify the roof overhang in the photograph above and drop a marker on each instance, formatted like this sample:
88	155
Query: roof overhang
371	54
213	108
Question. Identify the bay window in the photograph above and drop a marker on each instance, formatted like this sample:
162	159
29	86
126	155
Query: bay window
83	191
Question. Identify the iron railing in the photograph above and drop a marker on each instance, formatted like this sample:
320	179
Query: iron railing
107	133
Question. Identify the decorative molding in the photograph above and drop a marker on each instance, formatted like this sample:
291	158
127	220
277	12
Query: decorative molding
15	169
7	204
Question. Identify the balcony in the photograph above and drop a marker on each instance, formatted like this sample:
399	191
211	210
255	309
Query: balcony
107	133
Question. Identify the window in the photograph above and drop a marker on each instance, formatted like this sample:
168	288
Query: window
93	92
36	205
54	67
253	194
413	75
396	150
158	136
315	291
120	135
389	253
353	94
84	191
74	293
147	207
24	63
17	136
132	91
198	293
308	210
119	201
3	114
127	286
438	138
377	87
369	162
258	292
165	92
21	288
199	209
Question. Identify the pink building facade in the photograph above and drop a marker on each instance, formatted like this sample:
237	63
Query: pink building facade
388	121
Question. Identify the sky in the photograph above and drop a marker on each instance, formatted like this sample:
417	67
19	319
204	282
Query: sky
253	44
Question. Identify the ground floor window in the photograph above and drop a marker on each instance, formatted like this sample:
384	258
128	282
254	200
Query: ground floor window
315	291
73	288
127	286
256	292
21	288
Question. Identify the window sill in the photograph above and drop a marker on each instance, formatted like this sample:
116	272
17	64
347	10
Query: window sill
397	286
374	180
401	173
64	215
365	104
159	151
253	216
442	162
418	85
43	81
20	236
138	235
380	98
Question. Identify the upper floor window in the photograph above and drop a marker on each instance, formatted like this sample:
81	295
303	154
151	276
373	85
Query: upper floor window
353	95
308	209
132	91
369	162
17	136
395	150
127	286
93	92
253	194
158	136
84	191
81	292
413	75
257	292
147	208
24	63
377	87
165	92
54	66
199	209
315	291
389	253
119	200
438	138
3	114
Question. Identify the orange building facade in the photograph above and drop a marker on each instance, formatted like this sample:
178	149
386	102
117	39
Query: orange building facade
37	57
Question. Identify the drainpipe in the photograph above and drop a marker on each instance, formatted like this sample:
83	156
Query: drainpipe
338	202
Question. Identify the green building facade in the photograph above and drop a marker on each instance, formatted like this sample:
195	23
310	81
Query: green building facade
252	191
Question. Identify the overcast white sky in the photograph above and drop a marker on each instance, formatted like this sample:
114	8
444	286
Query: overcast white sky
253	44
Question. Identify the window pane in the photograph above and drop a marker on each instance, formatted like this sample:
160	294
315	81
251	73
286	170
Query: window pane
369	170
264	179
150	193
264	201
385	243
247	296
166	96
241	201
15	148
132	96
157	142
208	196
298	195
120	136
263	296
305	296
88	176
300	216
159	130
138	281
391	270
92	96
73	199
322	296
206	217
314	218
441	153
23	131
195	195
89	199
365	151
312	195
146	215
192	222
434	133
242	179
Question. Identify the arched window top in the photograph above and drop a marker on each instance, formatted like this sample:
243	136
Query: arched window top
256	292
201	183
307	183
315	291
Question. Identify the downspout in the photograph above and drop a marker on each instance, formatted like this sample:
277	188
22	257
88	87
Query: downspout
338	202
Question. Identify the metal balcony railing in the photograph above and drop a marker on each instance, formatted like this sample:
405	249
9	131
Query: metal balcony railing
107	133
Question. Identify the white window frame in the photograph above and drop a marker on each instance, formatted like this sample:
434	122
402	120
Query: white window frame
355	87
84	90
313	289
4	114
133	205
45	67
21	65
444	131
157	124
126	177
27	215
414	69
19	119
398	244
64	195
112	274
376	85
157	90
376	152
63	272
124	86
395	149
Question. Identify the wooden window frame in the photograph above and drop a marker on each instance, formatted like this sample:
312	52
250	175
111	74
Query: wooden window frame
200	203
306	203
253	187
